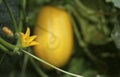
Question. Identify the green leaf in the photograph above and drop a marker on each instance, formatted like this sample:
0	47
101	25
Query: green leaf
90	73
80	66
116	35
115	2
76	66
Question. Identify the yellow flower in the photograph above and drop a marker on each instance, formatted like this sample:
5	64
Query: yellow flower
28	40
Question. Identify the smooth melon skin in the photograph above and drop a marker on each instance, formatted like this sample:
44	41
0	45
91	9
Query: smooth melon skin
54	34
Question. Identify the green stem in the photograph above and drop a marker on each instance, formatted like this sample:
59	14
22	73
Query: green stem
85	12
25	61
22	17
15	27
22	14
40	72
6	44
83	8
77	33
81	42
23	4
83	24
21	21
4	49
11	15
75	75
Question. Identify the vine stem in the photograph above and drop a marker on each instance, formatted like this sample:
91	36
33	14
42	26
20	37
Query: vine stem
11	15
4	49
74	75
22	14
6	44
24	66
81	42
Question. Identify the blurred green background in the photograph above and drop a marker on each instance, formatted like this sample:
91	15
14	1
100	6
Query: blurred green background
96	38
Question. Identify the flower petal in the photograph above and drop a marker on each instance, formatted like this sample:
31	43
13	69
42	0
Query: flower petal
22	35
27	34
34	43
28	40
32	38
